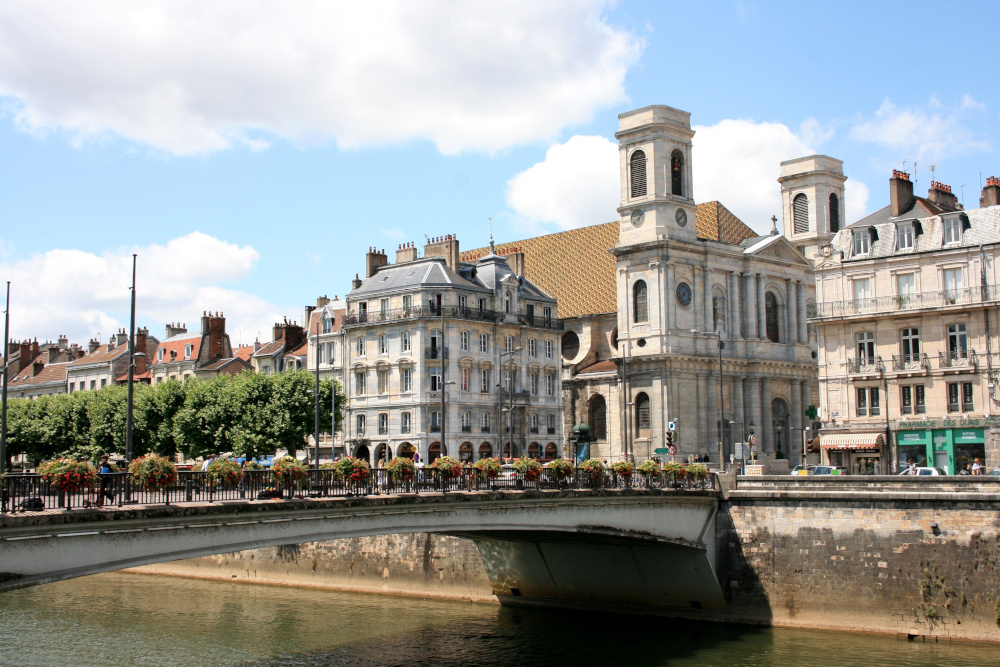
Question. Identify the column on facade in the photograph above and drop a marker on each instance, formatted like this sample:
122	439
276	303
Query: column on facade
752	394
795	446
669	302
710	322
751	305
793	315
800	289
732	320
702	437
661	301
761	310
699	315
766	418
737	309
739	416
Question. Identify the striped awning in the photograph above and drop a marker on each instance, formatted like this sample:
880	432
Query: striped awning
852	441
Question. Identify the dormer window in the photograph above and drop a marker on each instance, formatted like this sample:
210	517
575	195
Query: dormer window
187	350
861	242
327	325
952	230
904	236
159	354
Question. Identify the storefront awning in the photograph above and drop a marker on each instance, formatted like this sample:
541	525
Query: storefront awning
852	441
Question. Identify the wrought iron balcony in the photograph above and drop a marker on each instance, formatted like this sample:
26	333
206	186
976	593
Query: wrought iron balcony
532	429
891	304
466	428
864	365
486	429
550	430
435	428
910	362
436	352
519	397
958	359
454	312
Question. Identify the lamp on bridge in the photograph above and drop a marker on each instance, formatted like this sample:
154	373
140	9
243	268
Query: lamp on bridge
510	393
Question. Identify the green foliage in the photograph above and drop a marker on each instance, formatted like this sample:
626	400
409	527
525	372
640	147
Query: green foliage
352	469
401	468
68	475
560	468
698	470
530	469
487	468
594	468
288	469
649	467
623	468
447	466
226	472
248	414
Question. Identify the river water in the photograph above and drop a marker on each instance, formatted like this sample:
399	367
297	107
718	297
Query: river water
151	621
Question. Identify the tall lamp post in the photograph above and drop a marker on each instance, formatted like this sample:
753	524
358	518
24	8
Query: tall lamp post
316	412
3	418
718	335
510	393
131	373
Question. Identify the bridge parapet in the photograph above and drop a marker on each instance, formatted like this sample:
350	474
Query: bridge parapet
882	487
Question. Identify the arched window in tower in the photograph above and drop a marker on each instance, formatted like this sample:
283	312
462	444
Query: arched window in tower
834	212
771	316
677	173
800	213
637	167
598	417
639	306
642	412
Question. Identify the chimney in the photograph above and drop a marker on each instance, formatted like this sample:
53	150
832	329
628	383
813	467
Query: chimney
93	345
515	260
256	345
141	337
900	192
37	367
63	342
322	301
309	312
23	356
176	329
216	326
121	337
278	330
941	194
444	246
356	283
991	193
204	321
406	252
374	259
53	351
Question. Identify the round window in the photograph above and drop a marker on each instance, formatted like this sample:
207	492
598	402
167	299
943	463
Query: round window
570	345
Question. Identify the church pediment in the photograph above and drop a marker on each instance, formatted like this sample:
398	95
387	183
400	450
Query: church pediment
778	248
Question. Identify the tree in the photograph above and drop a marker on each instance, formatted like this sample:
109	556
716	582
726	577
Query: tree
106	411
204	425
154	411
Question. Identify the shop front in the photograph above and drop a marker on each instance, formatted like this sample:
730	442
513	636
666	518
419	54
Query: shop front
951	449
858	453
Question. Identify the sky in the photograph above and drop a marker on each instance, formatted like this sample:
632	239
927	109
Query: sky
250	152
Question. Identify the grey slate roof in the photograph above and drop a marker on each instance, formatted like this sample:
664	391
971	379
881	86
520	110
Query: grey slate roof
983	227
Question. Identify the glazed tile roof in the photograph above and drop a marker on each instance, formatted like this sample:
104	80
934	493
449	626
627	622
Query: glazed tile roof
576	268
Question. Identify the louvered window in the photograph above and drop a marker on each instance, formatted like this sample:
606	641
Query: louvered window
642	411
677	173
800	213
641	308
834	213
637	165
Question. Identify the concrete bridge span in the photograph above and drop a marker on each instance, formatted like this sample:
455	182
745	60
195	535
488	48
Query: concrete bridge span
637	547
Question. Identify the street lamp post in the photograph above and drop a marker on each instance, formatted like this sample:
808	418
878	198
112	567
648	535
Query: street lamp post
316	411
3	418
131	373
510	392
718	335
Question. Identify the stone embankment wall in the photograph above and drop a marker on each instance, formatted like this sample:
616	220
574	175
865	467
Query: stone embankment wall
409	564
891	563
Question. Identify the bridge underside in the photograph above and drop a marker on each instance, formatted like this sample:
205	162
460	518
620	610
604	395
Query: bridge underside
597	569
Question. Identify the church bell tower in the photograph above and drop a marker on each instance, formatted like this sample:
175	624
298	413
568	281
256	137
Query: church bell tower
657	198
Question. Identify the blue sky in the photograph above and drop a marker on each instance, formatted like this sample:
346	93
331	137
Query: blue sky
250	155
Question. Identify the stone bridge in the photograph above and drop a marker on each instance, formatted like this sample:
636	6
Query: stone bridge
637	547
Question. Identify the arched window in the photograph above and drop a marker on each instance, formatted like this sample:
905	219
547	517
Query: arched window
834	212
642	412
677	173
598	417
718	313
800	213
640	307
771	316
637	165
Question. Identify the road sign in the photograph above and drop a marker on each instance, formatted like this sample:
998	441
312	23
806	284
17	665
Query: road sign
671	425
661	450
672	449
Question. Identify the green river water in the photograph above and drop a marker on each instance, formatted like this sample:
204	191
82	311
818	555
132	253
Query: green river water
150	621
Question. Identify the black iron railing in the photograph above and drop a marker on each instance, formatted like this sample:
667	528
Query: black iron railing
893	303
455	312
29	492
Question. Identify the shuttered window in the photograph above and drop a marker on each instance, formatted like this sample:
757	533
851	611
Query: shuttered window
834	213
677	173
800	213
637	166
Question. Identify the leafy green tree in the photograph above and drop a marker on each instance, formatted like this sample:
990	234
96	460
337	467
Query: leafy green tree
25	434
106	411
155	409
204	424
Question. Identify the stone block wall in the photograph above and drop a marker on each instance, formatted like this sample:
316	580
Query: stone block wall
905	567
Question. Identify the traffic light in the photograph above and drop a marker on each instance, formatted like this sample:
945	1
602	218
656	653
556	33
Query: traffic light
670	438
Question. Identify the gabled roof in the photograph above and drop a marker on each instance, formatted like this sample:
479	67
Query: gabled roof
335	309
917	207
177	344
300	351
54	372
244	352
777	247
101	355
222	363
270	349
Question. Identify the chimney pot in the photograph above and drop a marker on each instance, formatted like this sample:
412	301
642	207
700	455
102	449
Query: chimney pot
900	191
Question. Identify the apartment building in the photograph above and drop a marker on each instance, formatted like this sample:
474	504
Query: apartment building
906	318
450	357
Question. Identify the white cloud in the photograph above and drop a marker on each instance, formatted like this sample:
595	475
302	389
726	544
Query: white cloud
737	162
930	132
576	185
188	77
856	195
81	294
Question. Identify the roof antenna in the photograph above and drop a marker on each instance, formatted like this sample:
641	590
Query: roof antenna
492	249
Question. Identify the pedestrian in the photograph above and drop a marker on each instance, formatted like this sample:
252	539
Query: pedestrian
207	462
967	470
912	470
977	468
105	469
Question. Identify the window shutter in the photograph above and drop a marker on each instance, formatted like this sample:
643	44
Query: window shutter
834	213
638	168
800	213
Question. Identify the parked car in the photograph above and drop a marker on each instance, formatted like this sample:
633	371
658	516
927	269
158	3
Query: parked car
803	470
995	471
923	470
828	470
